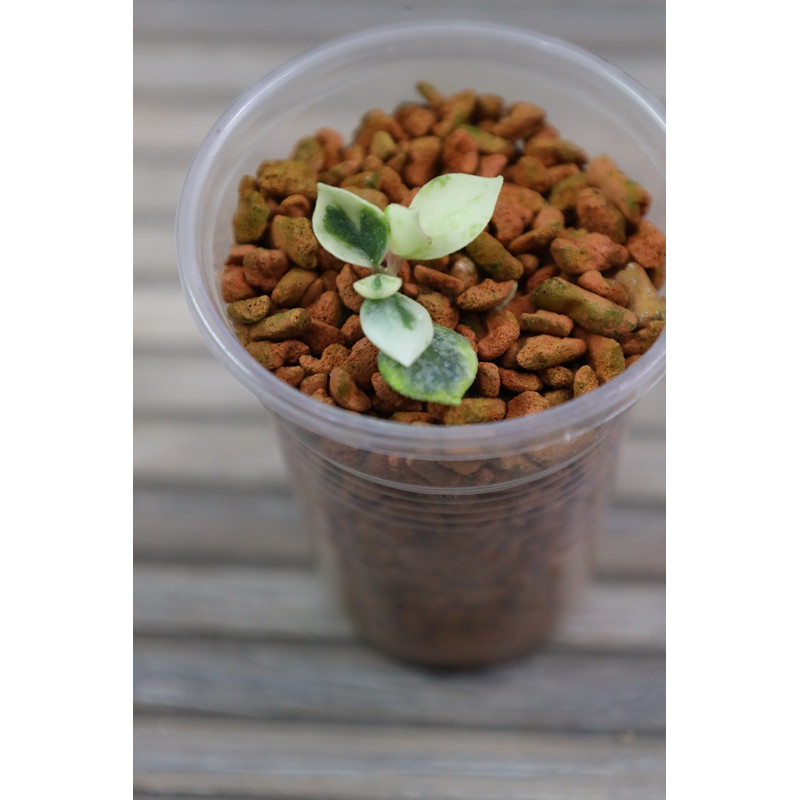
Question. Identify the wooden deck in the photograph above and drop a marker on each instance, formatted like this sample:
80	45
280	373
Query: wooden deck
247	683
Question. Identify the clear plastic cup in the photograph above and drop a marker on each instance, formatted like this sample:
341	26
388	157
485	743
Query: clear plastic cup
451	545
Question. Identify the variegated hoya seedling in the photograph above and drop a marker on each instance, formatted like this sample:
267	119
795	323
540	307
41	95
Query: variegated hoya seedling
417	358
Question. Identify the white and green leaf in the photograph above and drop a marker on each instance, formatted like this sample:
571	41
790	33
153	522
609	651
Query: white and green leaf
378	286
349	227
397	326
441	374
406	237
451	211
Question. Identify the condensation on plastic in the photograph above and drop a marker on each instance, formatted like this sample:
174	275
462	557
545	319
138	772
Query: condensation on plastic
453	545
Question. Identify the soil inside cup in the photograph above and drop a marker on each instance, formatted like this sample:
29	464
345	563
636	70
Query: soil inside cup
559	295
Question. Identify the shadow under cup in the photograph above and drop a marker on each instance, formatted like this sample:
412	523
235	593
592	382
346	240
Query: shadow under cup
451	545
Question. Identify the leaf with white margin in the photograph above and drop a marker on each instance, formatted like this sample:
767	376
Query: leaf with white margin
444	371
378	286
452	210
397	326
349	227
406	237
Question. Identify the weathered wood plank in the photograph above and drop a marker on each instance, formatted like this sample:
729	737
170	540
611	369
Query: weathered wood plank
162	321
260	603
609	20
237	602
246	456
157	185
634	544
171	132
154	256
642	475
341	683
194	527
649	414
172	37
223	758
197	70
206	87
614	617
166	387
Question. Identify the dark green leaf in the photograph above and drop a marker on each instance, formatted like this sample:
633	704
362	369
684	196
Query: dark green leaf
368	236
444	371
349	227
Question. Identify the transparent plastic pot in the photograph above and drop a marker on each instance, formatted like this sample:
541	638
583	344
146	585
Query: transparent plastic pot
450	545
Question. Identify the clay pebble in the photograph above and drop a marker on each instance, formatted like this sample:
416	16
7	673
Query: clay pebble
589	310
558	295
288	324
548	351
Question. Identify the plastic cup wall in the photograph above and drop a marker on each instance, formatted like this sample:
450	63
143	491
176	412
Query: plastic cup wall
461	545
590	101
461	576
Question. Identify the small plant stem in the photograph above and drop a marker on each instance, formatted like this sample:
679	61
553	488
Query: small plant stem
393	263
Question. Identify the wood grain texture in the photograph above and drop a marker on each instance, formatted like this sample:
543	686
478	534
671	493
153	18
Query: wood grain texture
220	526
248	680
349	683
182	758
629	32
